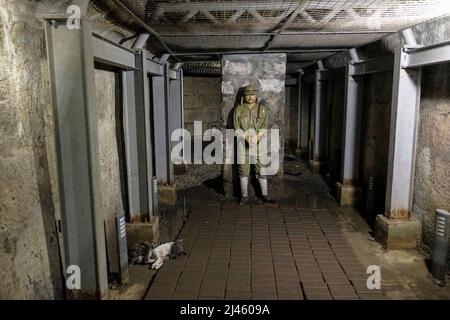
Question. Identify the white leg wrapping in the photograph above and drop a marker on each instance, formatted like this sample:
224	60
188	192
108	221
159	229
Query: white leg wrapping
264	187
244	186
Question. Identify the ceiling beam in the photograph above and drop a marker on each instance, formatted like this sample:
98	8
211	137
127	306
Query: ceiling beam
257	16
312	50
208	15
300	7
235	16
287	33
143	24
188	16
175	6
330	15
308	17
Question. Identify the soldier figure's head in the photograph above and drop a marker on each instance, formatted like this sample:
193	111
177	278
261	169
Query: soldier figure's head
249	94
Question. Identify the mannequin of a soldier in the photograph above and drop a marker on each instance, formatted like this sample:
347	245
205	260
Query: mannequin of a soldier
251	115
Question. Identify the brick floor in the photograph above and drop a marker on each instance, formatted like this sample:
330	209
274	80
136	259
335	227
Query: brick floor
253	252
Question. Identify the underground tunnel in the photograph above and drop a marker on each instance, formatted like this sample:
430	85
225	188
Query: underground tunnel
123	124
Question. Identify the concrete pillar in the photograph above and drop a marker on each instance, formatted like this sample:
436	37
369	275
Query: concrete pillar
348	193
318	161
71	61
395	229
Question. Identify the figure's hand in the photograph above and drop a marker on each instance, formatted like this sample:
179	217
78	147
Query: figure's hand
254	139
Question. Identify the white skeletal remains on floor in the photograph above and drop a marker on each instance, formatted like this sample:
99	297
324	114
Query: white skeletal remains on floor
164	252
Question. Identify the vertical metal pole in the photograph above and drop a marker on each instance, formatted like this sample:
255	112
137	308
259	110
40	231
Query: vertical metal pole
319	145
175	107
348	192
131	148
144	138
182	112
299	110
71	64
160	128
404	115
168	120
304	110
352	128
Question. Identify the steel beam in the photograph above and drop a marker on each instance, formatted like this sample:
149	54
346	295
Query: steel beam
359	68
331	74
291	82
111	53
140	42
352	128
404	116
175	107
319	119
303	50
288	7
71	61
305	117
154	68
310	78
144	119
135	139
172	74
299	109
168	119
426	56
160	122
284	25
284	33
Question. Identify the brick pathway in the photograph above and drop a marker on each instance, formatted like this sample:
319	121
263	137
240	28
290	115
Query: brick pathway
262	253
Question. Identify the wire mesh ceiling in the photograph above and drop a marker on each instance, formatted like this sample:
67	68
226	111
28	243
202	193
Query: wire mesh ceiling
202	68
183	16
207	26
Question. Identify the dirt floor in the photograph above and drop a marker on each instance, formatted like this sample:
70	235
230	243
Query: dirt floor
404	274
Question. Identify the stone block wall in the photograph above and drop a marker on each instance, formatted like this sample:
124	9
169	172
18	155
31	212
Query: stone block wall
375	129
30	263
432	170
265	71
431	188
202	102
29	253
291	118
334	104
110	179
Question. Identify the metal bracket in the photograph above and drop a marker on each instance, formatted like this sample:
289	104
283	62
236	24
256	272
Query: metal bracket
359	68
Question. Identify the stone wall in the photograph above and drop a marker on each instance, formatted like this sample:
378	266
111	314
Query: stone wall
202	102
375	128
432	170
110	179
267	72
291	118
334	106
29	254
431	189
30	264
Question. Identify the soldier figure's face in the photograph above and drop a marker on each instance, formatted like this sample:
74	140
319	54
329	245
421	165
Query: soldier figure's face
251	98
